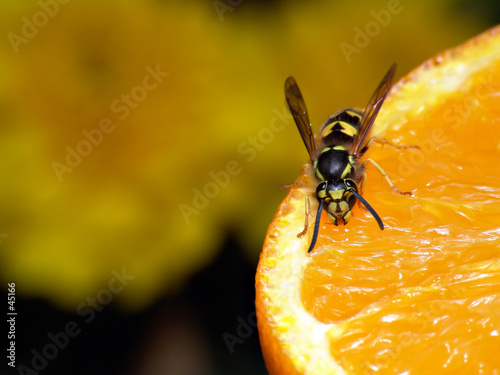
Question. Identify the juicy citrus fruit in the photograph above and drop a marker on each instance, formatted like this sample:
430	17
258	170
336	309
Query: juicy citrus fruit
422	296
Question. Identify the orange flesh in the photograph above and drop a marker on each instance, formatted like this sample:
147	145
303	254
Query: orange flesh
397	293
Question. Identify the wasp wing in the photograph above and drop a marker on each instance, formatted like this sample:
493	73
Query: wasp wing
372	109
299	112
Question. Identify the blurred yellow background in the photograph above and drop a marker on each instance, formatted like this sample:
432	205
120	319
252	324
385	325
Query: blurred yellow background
136	134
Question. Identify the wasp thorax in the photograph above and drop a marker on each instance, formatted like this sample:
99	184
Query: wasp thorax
333	163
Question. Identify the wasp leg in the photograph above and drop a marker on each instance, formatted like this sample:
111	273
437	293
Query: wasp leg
361	187
363	182
384	174
307	211
383	142
283	187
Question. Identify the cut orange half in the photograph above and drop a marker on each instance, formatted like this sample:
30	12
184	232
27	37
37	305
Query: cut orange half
422	296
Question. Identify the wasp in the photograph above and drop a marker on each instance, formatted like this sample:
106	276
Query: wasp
335	154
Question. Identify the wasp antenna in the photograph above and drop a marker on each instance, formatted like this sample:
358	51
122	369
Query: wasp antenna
316	226
369	208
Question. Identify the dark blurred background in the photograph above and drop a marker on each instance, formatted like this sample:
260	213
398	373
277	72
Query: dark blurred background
143	147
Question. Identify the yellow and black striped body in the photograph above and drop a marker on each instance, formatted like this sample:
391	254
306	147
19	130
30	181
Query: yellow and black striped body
341	128
336	167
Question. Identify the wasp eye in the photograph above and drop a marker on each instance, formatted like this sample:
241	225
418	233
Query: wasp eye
351	184
321	189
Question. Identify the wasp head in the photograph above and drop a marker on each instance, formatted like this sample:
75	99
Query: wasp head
338	199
